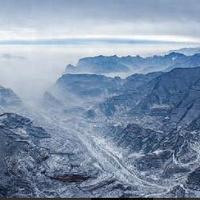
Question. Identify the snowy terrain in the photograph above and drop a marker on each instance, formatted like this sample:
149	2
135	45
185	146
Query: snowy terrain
97	136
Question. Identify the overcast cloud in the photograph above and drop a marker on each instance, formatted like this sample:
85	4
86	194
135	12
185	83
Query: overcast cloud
173	20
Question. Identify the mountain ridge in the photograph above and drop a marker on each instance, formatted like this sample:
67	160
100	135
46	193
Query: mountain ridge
133	64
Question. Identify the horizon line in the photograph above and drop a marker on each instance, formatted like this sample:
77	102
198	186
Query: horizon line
85	41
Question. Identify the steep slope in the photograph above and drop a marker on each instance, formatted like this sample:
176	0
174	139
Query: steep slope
8	98
91	85
81	89
78	89
160	157
20	158
185	62
134	89
158	131
33	164
175	94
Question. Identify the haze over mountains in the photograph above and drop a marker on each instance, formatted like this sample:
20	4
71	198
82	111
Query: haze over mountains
188	51
94	101
94	135
131	64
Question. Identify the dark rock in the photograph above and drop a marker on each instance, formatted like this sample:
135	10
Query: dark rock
20	158
193	180
91	114
74	178
177	192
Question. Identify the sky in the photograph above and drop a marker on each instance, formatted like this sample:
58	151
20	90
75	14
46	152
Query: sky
114	21
39	38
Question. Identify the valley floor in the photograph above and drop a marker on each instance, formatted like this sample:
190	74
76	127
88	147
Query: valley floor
76	148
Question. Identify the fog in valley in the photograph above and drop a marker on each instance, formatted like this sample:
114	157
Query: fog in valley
31	69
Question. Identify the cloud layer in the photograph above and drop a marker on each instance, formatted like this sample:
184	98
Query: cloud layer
64	19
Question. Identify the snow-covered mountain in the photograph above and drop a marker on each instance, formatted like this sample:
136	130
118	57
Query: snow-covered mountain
20	157
157	129
97	136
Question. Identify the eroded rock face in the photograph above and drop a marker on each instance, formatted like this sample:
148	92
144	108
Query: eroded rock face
88	85
29	170
167	154
32	165
193	180
174	95
177	92
20	158
177	192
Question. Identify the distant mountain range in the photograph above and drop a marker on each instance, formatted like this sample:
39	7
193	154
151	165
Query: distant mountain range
187	51
109	65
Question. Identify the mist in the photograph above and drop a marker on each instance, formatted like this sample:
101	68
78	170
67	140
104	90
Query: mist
31	69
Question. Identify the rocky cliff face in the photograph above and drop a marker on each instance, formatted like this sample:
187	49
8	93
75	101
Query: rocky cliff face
77	89
174	94
34	163
20	156
8	99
